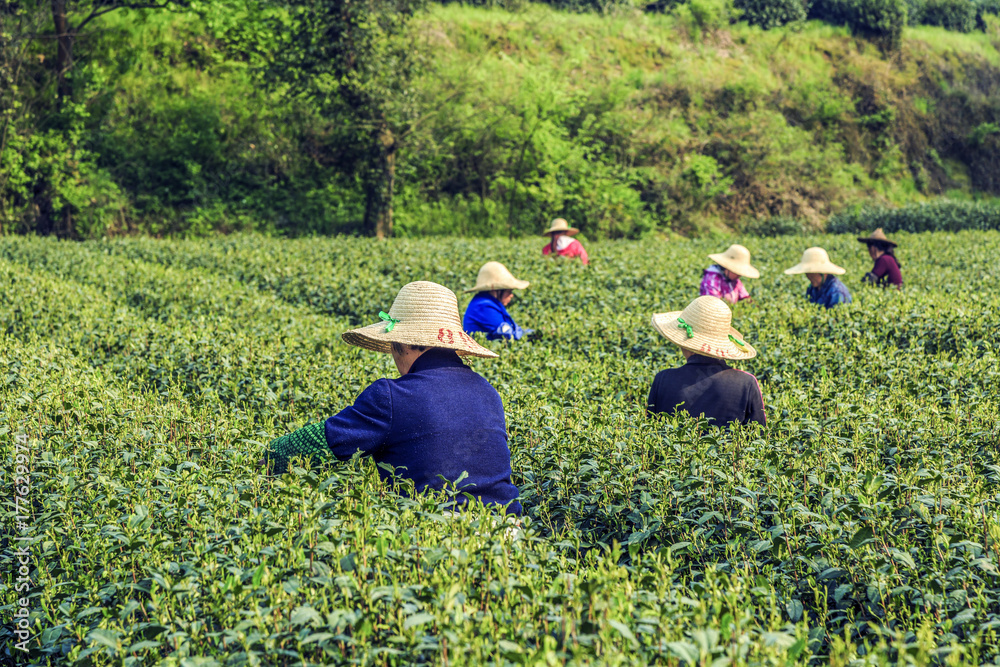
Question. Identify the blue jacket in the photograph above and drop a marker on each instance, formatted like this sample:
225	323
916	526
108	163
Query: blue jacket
830	293
441	419
485	313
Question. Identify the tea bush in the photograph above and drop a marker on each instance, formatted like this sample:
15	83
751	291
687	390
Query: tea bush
860	527
771	13
775	226
957	15
986	8
882	21
943	215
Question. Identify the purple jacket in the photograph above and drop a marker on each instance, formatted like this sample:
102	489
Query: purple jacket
885	272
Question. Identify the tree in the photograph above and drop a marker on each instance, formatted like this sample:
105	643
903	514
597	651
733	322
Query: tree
353	61
18	26
70	17
37	40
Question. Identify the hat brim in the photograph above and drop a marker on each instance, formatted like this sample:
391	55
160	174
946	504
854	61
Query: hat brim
570	231
708	346
829	267
489	287
374	337
742	270
872	239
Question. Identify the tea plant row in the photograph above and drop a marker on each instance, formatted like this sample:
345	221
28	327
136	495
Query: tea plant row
862	524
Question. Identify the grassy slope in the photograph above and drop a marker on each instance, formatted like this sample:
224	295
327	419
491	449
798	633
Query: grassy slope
626	124
797	122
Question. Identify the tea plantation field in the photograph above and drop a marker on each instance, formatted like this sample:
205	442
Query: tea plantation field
140	380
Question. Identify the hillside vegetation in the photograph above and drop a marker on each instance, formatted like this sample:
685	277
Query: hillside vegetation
625	122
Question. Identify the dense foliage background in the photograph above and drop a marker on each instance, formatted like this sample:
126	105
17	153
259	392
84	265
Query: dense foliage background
861	527
625	118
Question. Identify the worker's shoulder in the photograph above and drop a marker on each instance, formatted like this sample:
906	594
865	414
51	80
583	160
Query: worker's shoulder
739	376
672	376
485	303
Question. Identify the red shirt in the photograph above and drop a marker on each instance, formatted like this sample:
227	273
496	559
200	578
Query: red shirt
572	249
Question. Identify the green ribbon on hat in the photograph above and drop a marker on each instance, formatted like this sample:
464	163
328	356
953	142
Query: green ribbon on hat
681	324
737	341
391	320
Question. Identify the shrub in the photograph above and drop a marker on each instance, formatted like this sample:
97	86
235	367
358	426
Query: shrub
943	216
701	16
881	21
830	11
771	13
989	21
985	7
982	132
590	5
957	15
510	5
915	11
779	225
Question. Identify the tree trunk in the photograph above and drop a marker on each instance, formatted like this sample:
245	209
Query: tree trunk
67	222
64	50
47	223
44	224
517	179
383	226
380	187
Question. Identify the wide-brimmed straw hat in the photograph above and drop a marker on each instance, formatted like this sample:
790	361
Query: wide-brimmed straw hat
494	275
423	313
815	260
736	259
705	327
878	236
560	225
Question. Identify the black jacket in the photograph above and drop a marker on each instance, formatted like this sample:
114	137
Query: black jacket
707	386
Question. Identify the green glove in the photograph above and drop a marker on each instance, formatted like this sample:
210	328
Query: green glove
309	441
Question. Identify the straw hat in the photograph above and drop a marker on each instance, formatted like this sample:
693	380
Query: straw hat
815	260
424	313
495	275
877	236
704	327
737	260
560	225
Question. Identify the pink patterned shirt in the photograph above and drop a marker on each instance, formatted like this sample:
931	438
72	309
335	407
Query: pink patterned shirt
567	247
715	283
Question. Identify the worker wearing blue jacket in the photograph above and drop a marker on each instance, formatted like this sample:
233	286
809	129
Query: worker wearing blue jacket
487	312
439	424
825	289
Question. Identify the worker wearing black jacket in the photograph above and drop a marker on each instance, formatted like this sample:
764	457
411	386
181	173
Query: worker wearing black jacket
706	385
